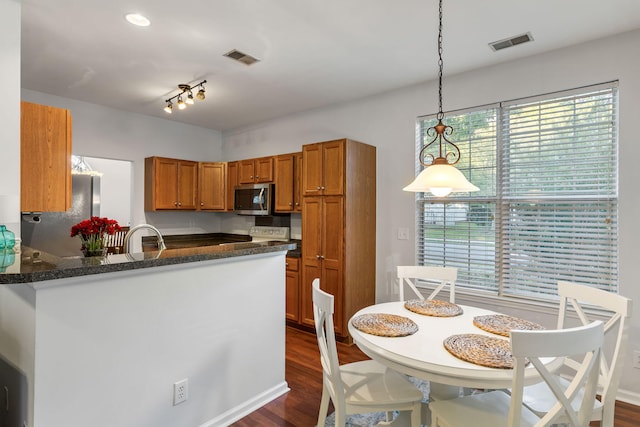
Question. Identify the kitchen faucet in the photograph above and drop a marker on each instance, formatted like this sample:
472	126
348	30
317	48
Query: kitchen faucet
161	245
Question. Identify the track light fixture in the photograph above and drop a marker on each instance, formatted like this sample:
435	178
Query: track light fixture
186	91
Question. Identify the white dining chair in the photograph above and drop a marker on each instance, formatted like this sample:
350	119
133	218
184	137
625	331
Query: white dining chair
358	387
539	399
499	409
440	277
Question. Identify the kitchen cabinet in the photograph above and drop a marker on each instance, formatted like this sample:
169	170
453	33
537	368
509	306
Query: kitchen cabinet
255	171
45	158
170	184
292	312
339	232
324	168
288	168
212	186
232	181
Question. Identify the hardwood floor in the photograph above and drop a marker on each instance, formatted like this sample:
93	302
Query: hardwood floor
299	407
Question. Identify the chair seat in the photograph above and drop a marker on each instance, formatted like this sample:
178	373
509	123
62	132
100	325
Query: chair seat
484	409
539	399
369	381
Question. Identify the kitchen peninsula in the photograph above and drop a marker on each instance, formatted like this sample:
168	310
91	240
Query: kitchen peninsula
101	342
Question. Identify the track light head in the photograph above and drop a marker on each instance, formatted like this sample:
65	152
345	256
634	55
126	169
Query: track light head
200	94
168	108
189	98
181	104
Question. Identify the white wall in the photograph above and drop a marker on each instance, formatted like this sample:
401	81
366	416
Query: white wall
10	104
115	188
100	131
387	121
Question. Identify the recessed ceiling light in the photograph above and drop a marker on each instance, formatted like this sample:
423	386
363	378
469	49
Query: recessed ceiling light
137	19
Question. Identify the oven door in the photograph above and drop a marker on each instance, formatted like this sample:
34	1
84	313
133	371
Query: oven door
255	199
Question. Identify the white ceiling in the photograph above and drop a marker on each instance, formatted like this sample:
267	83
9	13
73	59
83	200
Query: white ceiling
313	52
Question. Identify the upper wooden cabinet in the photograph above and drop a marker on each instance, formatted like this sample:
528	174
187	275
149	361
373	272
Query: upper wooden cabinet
232	181
170	184
287	179
45	158
253	171
324	168
212	186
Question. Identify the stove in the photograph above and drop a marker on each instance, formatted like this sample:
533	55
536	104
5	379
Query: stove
263	234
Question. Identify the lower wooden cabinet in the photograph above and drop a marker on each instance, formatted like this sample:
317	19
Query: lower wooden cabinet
293	290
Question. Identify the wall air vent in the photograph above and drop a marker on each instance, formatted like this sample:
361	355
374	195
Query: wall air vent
241	57
511	41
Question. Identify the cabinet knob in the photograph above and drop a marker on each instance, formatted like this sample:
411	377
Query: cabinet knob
290	204
201	203
317	256
175	203
318	188
297	204
322	188
251	177
179	204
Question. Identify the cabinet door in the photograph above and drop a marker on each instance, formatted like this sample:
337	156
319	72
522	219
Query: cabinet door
297	182
333	168
246	171
332	238
284	167
263	168
45	158
232	181
312	172
311	253
212	185
187	184
293	290
165	183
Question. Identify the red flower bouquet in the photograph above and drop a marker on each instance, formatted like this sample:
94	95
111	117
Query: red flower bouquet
93	232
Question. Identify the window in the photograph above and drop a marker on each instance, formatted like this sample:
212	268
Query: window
547	209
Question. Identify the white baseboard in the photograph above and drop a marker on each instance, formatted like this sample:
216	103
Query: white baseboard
628	397
240	411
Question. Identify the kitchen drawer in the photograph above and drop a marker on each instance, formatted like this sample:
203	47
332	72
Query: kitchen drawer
293	264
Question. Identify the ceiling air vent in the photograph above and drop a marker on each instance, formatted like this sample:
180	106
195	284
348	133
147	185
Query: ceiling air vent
511	41
241	57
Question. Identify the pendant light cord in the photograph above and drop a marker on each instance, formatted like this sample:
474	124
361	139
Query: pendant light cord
440	115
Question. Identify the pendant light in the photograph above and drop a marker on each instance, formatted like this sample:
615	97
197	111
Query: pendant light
439	176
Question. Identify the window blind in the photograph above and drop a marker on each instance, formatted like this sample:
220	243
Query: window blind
547	207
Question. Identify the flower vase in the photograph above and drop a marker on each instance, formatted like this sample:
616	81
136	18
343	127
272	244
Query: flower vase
94	252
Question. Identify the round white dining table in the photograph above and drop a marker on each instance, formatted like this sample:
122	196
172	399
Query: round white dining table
423	354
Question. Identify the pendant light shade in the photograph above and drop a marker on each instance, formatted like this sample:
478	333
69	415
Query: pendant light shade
441	180
440	177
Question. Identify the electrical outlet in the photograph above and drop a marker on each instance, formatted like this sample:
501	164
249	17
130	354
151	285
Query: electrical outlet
180	391
636	359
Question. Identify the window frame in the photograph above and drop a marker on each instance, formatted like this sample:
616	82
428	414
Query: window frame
503	290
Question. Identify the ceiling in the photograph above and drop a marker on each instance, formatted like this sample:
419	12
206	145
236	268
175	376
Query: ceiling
312	53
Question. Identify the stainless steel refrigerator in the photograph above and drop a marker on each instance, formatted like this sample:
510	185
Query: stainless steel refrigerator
50	231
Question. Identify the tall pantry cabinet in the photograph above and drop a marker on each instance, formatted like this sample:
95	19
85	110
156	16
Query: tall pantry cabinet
339	227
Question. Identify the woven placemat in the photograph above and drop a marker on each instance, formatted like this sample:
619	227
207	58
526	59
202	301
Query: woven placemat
433	307
501	324
481	350
384	325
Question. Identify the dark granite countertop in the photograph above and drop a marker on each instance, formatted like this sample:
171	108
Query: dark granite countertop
177	241
37	266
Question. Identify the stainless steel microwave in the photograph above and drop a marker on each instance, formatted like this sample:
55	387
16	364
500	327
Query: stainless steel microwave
253	199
